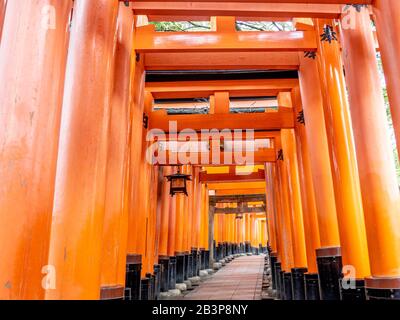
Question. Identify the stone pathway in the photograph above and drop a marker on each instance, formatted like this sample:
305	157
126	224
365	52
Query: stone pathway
240	279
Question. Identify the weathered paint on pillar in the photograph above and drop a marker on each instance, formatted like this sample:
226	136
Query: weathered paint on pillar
116	214
32	70
343	159
78	211
387	21
380	191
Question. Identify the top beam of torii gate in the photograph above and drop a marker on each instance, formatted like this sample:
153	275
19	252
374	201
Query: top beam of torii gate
242	9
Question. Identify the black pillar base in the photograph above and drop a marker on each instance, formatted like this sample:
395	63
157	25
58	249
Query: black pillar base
145	289
354	294
152	286
221	253
194	254
165	273
287	283
157	281
215	246
247	247
132	278
272	262
188	266
329	262
172	273
311	282
180	267
207	259
383	288
202	259
298	287
225	250
279	287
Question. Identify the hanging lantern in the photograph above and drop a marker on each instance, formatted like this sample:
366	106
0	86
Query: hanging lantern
178	183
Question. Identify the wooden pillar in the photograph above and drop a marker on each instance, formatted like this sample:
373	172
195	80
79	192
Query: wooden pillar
307	187
287	258
179	221
296	213
115	226
78	212
165	207
380	191
197	199
297	225
311	96
31	93
343	162
193	212
204	226
136	141
151	222
187	212
271	207
386	14
172	226
211	211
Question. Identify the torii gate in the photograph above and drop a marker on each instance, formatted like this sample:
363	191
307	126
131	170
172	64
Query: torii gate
73	170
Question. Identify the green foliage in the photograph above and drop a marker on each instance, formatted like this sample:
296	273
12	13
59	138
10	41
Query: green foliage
183	26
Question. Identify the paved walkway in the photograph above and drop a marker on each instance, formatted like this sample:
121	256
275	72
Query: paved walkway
240	279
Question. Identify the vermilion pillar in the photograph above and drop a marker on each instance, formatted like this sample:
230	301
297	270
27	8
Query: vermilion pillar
386	14
78	211
179	234
319	153
306	185
320	166
312	240
343	162
116	212
271	207
380	191
137	110
32	70
290	159
164	224
289	148
165	207
286	240
172	226
134	259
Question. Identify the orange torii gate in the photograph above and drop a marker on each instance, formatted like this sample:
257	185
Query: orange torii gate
85	215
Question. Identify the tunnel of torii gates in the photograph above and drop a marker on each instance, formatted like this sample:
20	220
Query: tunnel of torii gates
88	87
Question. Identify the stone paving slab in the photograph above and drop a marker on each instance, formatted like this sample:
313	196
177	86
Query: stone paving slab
241	279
